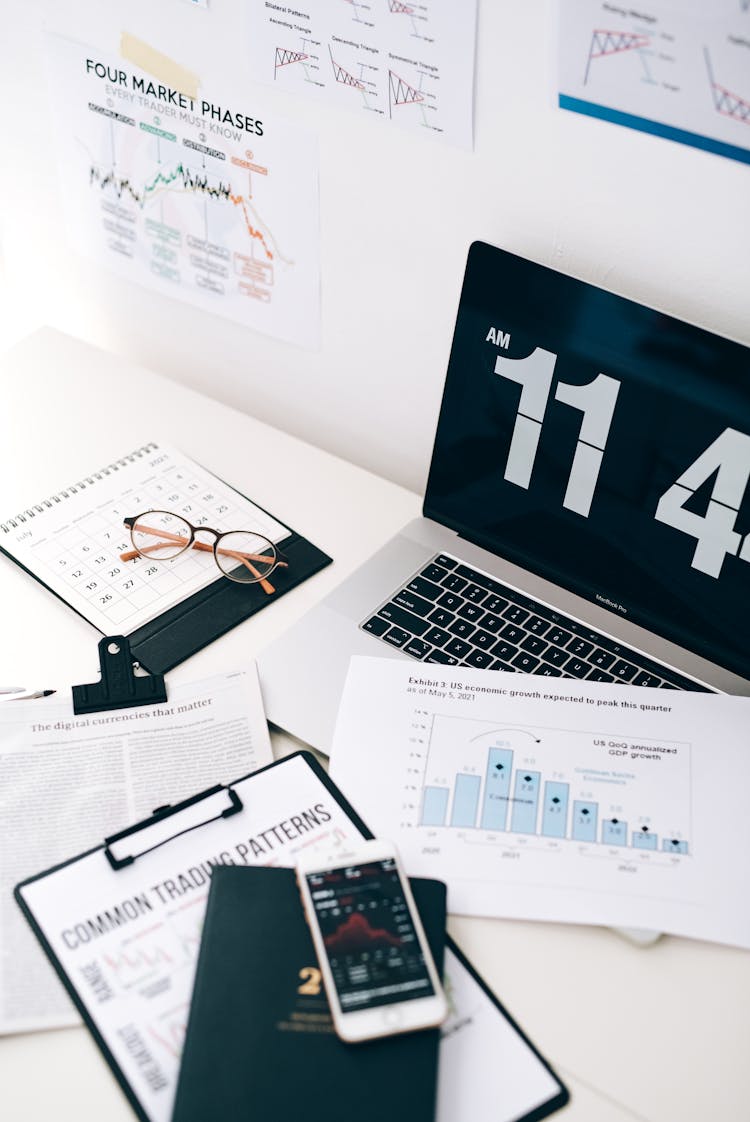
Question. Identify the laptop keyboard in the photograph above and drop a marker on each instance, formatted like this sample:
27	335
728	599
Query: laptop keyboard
457	616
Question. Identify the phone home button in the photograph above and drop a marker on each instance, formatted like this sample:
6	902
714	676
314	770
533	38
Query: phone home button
392	1018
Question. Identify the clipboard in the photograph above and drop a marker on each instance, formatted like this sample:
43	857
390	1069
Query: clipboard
196	619
132	927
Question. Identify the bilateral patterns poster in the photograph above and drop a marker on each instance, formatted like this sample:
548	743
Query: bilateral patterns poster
208	199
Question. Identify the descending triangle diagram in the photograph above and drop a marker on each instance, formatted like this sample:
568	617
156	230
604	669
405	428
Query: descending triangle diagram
400	9
613	43
725	102
284	57
343	76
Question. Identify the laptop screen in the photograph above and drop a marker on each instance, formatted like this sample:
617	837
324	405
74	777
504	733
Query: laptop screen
602	445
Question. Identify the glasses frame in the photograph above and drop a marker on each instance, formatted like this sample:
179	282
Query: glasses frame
280	561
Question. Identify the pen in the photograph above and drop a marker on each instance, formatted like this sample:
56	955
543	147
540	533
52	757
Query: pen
19	693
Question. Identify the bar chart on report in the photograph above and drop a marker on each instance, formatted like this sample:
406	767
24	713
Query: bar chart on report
544	789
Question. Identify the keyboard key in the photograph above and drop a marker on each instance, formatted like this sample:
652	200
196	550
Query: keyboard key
396	637
474	593
445	561
576	668
602	659
491	623
504	650
525	662
548	671
413	603
483	639
481	659
537	625
458	647
597	675
470	611
558	636
441	656
580	648
462	628
437	637
495	604
534	645
434	573
401	618
441	618
515	614
513	634
450	601
425	588
624	671
646	679
454	583
376	625
500	664
417	648
555	656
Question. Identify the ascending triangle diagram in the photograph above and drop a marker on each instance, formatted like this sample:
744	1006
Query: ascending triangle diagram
613	43
400	92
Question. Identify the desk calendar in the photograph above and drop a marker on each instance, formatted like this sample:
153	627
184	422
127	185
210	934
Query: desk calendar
72	542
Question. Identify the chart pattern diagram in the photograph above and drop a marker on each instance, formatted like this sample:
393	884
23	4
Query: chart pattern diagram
605	44
726	102
506	787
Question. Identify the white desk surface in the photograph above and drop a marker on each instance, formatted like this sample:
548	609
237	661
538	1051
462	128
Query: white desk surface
654	1035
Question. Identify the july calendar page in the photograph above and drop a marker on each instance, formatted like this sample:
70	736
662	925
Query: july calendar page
72	540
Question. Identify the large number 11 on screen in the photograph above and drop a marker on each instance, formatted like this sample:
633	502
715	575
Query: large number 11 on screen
728	457
596	400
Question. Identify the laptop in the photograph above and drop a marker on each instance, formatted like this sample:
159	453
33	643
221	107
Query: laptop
587	510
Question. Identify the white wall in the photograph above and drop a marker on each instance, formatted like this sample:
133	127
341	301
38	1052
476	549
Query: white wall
655	221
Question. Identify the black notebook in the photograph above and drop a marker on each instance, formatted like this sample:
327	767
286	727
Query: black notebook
260	1043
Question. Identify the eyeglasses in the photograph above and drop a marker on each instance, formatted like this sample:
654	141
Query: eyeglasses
243	556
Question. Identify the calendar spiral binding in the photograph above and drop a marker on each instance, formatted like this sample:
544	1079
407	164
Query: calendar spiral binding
67	492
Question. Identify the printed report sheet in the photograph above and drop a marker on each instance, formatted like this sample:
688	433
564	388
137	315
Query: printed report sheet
572	801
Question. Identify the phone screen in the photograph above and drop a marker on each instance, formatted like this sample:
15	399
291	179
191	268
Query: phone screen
370	940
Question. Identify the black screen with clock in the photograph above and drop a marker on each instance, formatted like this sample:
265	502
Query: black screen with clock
602	445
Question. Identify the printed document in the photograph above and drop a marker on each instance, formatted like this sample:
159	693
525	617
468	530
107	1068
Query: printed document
555	799
66	782
408	64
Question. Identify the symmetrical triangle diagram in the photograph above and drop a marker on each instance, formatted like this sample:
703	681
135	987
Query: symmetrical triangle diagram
401	93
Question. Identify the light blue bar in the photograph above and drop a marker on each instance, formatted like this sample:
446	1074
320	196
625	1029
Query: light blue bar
672	845
465	800
434	806
644	839
555	813
497	789
525	802
585	817
614	832
656	128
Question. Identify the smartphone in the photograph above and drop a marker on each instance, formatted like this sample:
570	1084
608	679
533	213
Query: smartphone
373	955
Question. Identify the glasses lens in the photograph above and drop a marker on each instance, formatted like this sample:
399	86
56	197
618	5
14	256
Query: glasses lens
245	556
160	535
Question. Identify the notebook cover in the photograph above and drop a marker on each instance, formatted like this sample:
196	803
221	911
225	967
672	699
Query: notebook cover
258	1048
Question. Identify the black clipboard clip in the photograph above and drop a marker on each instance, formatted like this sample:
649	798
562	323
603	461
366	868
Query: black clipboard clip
219	802
119	688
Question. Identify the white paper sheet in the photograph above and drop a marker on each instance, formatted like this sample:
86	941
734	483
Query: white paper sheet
676	70
129	940
409	64
211	199
577	802
66	782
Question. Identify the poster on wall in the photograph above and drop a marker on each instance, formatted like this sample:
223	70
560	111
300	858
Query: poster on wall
212	201
676	70
410	64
